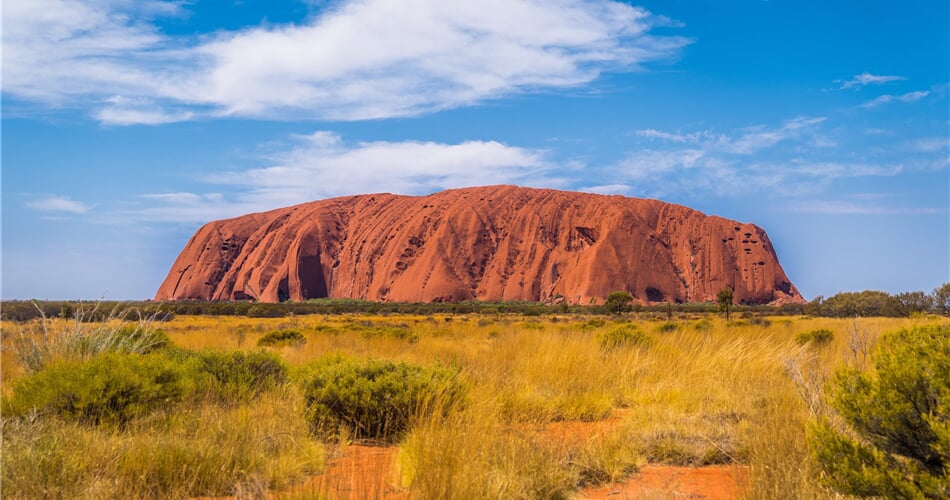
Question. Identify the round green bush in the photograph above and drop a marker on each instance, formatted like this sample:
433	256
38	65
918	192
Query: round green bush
594	323
282	337
667	327
703	325
231	376
374	398
107	389
820	336
626	335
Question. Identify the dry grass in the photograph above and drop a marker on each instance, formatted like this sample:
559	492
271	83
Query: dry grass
702	391
197	450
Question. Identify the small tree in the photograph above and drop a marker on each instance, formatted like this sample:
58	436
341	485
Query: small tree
724	299
915	302
893	436
66	311
618	302
941	299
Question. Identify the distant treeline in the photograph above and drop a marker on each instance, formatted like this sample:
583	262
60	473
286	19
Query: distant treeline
847	304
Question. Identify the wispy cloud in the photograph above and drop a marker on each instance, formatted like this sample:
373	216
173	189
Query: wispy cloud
859	81
139	111
749	141
928	145
352	62
650	133
323	165
848	207
608	189
793	158
54	203
886	98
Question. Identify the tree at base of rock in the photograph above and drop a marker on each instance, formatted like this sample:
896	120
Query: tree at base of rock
618	302
724	299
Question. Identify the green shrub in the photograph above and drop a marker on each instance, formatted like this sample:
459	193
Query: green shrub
626	335
703	325
282	337
895	438
820	336
761	322
594	323
231	376
373	398
667	327
108	389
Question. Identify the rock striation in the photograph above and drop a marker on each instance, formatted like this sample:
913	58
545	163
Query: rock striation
493	243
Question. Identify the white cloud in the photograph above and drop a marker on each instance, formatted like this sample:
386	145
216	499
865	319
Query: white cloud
322	165
58	204
56	50
357	60
886	98
863	79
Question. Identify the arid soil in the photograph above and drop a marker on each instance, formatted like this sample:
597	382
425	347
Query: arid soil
368	472
360	471
715	482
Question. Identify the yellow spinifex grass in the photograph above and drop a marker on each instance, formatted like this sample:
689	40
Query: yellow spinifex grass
699	391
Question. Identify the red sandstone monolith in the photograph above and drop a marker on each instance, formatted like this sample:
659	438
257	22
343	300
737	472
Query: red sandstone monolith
487	243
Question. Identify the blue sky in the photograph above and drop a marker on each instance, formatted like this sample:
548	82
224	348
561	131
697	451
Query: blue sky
128	124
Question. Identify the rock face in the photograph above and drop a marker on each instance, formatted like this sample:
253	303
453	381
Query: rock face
488	243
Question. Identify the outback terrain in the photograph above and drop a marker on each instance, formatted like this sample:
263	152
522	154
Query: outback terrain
425	406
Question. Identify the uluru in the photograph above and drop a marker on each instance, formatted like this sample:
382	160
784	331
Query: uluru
496	243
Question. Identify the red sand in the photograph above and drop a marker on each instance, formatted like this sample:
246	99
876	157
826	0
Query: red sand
716	482
368	472
360	472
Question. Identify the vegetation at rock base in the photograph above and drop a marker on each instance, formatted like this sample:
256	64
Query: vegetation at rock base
846	304
724	299
618	302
